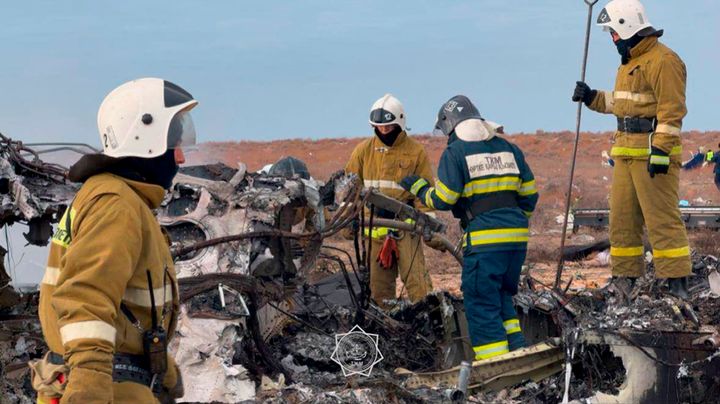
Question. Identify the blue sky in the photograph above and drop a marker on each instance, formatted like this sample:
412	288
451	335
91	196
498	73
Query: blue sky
311	69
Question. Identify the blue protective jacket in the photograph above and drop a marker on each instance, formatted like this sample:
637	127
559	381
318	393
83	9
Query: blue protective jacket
492	169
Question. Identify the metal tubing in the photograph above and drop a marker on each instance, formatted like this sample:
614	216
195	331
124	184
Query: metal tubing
558	275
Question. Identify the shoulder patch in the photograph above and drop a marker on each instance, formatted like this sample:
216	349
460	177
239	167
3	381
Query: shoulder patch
485	164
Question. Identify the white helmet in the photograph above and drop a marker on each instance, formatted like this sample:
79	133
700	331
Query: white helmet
387	111
627	18
145	118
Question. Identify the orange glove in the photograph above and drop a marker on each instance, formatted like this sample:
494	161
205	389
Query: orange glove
388	253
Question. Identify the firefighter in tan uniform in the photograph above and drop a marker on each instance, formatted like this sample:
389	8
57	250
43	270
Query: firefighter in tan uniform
109	299
381	162
649	103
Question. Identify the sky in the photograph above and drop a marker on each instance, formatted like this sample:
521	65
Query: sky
311	69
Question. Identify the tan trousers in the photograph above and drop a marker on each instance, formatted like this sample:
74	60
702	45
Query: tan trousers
637	200
412	272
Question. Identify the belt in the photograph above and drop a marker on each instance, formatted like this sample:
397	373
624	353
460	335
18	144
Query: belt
126	368
505	199
634	124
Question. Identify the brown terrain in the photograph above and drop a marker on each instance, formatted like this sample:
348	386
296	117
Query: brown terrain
549	156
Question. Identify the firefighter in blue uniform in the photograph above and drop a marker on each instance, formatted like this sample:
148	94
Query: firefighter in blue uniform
487	184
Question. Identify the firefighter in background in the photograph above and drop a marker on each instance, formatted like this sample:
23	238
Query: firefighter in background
108	299
701	158
487	184
714	157
649	103
381	162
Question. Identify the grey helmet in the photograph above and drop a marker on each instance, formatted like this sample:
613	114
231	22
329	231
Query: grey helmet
457	109
289	167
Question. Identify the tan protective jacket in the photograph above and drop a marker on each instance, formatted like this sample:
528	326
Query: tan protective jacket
383	167
651	84
99	255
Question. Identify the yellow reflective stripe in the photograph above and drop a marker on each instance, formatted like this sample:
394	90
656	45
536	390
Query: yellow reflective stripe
382	184
428	198
377	232
512	326
417	186
51	276
672	252
490	350
626	251
496	236
62	235
87	329
446	194
638	151
609	101
669	129
634	97
527	188
141	296
478	187
661	160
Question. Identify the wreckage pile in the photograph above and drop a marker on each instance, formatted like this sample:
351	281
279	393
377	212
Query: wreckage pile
258	323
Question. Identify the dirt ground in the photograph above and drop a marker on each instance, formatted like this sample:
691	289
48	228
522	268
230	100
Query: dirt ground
549	157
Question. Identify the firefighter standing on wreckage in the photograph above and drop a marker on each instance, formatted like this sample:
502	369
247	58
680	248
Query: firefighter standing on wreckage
381	162
649	103
108	300
487	184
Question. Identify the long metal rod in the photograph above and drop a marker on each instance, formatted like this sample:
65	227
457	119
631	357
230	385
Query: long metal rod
561	261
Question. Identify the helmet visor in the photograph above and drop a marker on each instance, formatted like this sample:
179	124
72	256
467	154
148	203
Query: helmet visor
381	117
182	131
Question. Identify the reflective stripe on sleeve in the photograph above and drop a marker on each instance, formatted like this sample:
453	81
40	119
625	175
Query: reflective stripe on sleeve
527	188
609	101
669	129
672	252
428	198
419	184
141	297
51	276
490	350
87	329
634	97
446	194
626	251
512	326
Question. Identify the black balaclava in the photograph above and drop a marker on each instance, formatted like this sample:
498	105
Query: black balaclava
625	45
391	137
158	170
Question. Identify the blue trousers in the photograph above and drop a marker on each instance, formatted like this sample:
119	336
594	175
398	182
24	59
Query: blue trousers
489	280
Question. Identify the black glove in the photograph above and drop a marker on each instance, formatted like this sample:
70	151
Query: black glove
658	163
584	93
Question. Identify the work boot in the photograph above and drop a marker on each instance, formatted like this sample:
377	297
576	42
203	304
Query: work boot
678	287
624	286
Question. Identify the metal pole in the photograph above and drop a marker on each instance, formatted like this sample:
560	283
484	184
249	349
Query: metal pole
558	275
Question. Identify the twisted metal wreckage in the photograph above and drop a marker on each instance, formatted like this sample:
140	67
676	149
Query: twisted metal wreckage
263	295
